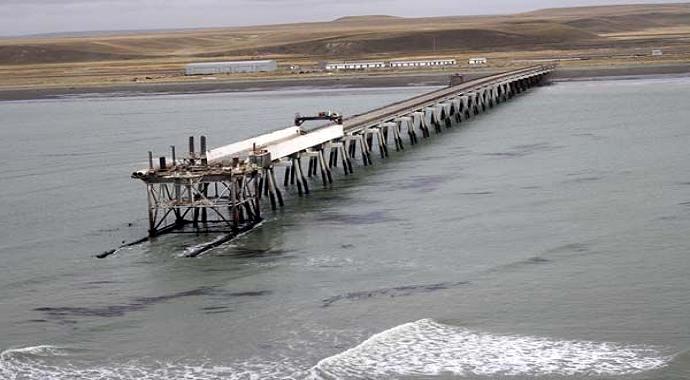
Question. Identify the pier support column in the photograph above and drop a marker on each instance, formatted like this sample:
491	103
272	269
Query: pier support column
377	132
364	150
325	172
294	171
332	152
352	147
301	177
150	196
310	166
274	186
396	136
347	162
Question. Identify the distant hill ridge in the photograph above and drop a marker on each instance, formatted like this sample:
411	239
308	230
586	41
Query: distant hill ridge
367	18
355	37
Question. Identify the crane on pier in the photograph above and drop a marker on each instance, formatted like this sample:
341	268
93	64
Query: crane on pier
331	116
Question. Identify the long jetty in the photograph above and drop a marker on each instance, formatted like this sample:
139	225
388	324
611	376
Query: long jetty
224	190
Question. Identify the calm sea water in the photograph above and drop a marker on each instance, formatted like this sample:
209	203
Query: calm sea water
547	238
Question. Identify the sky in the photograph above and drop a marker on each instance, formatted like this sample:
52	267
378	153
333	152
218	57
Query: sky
26	17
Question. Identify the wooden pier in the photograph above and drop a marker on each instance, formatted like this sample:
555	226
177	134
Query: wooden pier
223	190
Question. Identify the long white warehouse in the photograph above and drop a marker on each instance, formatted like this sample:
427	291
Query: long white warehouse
205	68
354	65
424	62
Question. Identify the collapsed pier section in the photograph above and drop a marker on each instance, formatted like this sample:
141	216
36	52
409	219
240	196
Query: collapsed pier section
210	196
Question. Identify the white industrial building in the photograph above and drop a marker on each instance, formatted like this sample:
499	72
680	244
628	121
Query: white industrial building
477	61
354	65
205	68
423	63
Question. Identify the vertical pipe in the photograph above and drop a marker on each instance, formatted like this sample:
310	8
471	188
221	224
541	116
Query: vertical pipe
150	160
257	198
178	215
204	213
202	150
172	152
240	198
161	163
191	149
152	220
234	212
192	203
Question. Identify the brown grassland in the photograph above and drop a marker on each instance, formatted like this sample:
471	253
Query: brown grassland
576	37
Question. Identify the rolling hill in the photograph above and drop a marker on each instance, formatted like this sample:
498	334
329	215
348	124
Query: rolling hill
590	31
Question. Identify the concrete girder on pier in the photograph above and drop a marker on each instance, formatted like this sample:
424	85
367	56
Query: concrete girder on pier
456	110
477	103
465	106
448	112
392	129
407	123
418	123
433	117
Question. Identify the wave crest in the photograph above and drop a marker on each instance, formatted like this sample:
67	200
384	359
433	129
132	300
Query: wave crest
427	348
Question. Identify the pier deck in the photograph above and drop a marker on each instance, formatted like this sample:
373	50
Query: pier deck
224	189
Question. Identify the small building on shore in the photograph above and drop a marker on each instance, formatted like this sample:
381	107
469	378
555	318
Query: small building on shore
205	68
657	52
477	61
353	65
423	63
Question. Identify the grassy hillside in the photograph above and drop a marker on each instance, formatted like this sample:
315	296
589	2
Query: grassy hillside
585	31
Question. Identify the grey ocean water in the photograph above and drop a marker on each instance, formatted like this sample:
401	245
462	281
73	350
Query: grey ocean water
547	238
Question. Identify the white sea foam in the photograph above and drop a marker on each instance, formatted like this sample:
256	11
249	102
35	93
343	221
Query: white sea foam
426	348
50	362
422	348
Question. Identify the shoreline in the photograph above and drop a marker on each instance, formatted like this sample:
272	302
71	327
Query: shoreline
562	74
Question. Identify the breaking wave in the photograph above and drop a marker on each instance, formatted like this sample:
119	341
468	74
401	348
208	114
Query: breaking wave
427	348
421	348
50	362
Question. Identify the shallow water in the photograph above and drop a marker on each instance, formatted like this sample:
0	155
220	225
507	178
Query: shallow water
548	237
